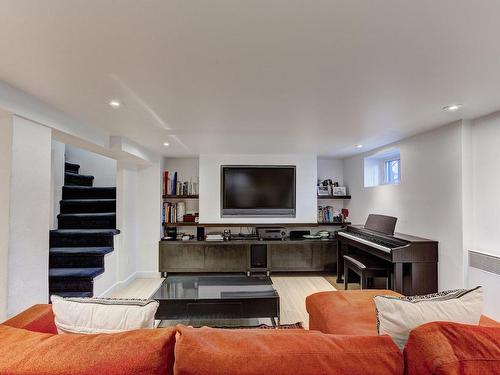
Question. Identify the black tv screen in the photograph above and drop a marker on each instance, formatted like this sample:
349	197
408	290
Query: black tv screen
252	191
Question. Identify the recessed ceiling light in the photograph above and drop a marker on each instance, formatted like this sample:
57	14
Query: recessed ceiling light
359	146
452	107
114	103
166	144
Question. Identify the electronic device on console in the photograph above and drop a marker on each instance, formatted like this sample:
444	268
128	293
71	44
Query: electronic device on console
271	233
298	235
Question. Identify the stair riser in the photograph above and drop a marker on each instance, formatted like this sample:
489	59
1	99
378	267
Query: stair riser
87	223
87	208
76	261
78	180
81	241
92	193
71	168
71	285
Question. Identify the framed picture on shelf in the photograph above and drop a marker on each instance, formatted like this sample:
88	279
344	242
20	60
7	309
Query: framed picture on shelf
323	191
339	190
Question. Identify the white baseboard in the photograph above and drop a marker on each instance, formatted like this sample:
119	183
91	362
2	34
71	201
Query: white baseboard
119	285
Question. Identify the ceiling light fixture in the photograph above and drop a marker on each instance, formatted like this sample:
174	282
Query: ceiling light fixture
452	107
114	103
166	144
359	146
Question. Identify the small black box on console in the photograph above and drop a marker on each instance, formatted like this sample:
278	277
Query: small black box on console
298	234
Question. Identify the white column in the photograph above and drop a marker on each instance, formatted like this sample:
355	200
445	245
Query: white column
5	171
30	212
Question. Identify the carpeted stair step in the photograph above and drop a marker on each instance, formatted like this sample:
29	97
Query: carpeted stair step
82	237
73	294
87	192
81	206
77	257
72	168
77	179
73	279
87	221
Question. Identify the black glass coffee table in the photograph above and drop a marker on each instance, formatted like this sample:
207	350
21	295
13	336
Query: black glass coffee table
217	297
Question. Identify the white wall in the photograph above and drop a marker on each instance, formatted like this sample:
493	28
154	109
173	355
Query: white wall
30	211
148	218
427	203
5	174
485	184
101	167
306	177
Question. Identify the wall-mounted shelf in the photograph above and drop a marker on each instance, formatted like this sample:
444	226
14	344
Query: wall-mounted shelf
334	197
181	197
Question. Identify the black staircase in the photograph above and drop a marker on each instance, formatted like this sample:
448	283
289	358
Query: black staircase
86	226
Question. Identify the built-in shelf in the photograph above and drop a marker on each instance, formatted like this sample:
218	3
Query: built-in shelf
221	225
181	197
334	197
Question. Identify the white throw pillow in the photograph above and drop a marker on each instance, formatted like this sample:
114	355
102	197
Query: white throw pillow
397	316
102	315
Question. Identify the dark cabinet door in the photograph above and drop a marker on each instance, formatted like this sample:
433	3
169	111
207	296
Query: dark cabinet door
324	256
290	257
181	257
226	258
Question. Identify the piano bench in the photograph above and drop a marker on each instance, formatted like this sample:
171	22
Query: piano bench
366	268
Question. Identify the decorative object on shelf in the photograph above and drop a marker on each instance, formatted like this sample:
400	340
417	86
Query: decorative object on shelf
345	214
339	190
323	191
329	188
181	211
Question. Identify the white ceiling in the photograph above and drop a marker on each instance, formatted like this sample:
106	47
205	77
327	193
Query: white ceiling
256	76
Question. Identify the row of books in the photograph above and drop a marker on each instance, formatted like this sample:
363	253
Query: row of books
169	212
172	186
328	214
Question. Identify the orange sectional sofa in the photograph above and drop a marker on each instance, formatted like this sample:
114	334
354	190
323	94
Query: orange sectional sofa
348	344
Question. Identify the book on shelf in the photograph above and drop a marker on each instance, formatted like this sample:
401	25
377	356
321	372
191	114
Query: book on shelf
172	185
328	214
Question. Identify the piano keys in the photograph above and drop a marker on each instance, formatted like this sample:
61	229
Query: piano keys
414	259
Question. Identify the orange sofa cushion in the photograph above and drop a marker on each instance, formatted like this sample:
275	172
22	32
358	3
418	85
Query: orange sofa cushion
349	312
38	318
443	348
146	352
208	351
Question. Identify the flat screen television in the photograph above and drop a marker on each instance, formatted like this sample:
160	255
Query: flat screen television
255	191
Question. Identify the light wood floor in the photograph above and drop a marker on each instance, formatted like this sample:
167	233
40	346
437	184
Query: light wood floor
293	291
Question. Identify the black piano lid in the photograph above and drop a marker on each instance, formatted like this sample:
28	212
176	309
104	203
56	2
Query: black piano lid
381	223
397	236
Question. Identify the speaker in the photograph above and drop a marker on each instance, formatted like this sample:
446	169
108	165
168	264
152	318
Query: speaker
171	232
258	256
200	233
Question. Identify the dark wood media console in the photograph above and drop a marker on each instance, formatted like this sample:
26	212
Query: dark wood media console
250	256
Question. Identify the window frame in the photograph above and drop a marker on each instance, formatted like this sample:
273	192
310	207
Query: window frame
389	174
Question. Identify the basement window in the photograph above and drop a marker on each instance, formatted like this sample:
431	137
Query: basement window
383	168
